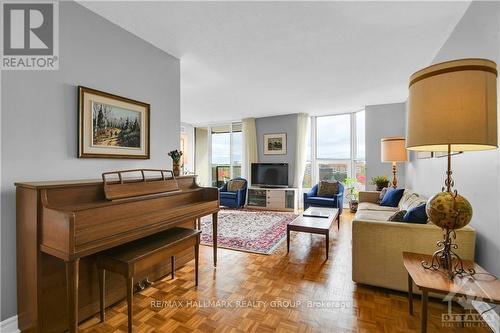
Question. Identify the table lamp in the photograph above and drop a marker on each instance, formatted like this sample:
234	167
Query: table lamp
452	106
393	150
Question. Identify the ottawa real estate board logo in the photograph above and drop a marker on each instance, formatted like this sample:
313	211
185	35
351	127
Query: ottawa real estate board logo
30	37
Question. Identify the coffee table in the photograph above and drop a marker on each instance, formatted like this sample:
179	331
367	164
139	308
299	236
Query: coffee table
314	224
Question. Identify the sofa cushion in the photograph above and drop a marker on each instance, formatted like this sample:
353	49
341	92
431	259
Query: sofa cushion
382	193
228	195
416	215
411	202
328	189
374	206
321	201
373	215
235	185
398	216
392	197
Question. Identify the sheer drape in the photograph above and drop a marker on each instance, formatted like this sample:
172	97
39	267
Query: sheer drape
301	149
249	147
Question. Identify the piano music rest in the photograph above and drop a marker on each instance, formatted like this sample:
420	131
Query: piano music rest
130	258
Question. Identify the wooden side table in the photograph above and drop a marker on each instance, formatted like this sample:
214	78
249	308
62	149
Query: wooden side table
483	286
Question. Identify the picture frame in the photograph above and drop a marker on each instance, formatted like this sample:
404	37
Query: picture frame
275	144
112	126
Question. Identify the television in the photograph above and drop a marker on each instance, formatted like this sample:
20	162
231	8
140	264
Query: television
270	174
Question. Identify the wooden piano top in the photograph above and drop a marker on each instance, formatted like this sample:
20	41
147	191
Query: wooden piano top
78	220
82	182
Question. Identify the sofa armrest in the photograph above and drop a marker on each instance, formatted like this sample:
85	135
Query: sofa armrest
377	248
369	196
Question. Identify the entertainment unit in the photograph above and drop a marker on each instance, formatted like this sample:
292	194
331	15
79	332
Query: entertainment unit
281	199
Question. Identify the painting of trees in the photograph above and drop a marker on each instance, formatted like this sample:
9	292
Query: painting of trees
115	126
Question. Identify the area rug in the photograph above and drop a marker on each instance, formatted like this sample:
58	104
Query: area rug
247	230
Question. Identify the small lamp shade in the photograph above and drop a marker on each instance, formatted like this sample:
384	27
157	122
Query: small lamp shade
393	149
453	103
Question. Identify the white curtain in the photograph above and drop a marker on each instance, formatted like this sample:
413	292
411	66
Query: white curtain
201	156
301	149
249	147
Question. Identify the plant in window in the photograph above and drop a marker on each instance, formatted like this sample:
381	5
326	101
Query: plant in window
352	187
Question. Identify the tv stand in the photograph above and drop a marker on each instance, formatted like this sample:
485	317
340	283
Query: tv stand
273	198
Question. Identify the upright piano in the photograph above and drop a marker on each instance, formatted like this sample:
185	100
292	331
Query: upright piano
61	226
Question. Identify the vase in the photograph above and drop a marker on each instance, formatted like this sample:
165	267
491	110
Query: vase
176	168
353	206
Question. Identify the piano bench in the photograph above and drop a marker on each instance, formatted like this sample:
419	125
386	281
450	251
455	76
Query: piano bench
136	256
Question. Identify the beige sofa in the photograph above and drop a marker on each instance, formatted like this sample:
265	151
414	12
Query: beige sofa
377	244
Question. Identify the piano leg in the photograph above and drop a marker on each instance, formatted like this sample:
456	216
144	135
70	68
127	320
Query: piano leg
72	268
214	236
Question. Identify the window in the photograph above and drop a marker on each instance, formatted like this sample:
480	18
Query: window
237	149
336	149
333	139
226	153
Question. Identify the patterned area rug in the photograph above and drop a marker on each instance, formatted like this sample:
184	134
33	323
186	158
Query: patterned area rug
247	230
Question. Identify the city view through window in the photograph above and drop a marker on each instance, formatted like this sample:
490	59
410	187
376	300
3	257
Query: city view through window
226	156
338	151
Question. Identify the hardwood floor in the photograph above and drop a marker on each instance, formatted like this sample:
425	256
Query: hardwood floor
330	301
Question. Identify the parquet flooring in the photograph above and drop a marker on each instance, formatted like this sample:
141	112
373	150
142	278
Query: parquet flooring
259	293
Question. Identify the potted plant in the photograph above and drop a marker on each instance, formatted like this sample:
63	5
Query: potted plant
380	182
176	159
352	193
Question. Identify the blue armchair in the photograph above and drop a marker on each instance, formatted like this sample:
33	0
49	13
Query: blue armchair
311	199
233	199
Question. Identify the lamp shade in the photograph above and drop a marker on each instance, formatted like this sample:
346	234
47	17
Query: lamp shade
453	103
393	149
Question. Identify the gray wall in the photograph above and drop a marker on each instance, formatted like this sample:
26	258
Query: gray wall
383	121
39	114
476	174
278	124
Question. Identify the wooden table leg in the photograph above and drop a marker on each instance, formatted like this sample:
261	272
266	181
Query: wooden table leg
327	244
130	302
287	239
72	268
423	322
338	222
410	294
214	236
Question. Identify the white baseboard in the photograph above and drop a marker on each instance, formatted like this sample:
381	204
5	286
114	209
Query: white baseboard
9	325
492	319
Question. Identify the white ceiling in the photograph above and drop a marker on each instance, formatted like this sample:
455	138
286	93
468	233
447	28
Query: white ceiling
251	59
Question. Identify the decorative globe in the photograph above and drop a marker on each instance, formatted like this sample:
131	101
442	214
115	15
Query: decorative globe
448	212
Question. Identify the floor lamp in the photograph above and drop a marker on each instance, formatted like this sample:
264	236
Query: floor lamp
452	107
393	150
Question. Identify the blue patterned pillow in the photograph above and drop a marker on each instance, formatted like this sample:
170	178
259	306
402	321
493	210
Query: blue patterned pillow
416	215
392	197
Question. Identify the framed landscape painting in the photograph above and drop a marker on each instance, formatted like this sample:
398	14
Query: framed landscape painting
275	144
112	126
